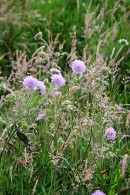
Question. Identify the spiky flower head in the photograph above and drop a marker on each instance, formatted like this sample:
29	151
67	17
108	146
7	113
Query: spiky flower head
110	133
118	107
58	80
78	66
55	70
98	192
41	86
30	82
40	117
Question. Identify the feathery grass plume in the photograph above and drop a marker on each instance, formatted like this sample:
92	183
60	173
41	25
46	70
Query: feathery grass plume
78	66
88	172
58	80
64	146
128	120
110	133
124	164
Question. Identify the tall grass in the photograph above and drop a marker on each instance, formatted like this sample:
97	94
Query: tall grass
67	151
107	20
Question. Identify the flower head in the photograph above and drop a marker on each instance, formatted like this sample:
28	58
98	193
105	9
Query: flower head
30	82
119	108
38	35
58	80
42	87
78	66
110	133
40	117
98	192
55	70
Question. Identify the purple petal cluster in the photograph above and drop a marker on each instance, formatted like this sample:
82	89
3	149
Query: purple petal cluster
40	117
58	80
55	70
42	87
119	108
98	192
30	82
78	66
110	133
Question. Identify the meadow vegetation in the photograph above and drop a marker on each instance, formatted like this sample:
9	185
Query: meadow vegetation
65	101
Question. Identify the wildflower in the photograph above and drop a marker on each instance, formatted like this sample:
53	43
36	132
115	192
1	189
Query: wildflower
42	87
58	80
30	82
110	133
78	66
55	70
123	42
38	35
40	117
119	108
98	192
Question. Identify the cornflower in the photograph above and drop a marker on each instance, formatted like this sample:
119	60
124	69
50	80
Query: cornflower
124	164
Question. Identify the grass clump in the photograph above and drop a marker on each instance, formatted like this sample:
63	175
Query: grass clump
65	117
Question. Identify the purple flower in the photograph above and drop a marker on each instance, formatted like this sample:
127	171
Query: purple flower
58	80
98	192
42	87
110	133
119	108
30	82
38	35
78	66
55	70
40	117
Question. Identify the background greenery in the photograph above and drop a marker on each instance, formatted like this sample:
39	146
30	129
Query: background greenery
21	20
